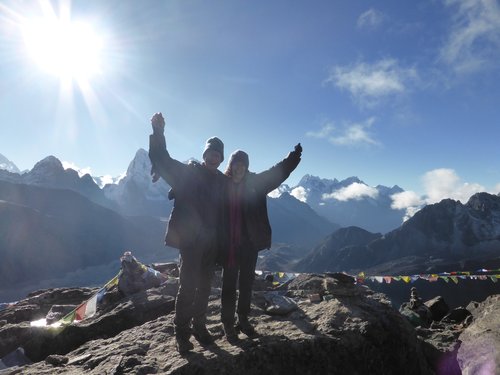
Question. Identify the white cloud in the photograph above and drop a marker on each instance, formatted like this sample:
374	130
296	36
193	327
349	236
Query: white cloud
300	193
405	199
325	132
497	188
371	19
351	133
276	193
444	183
81	171
108	179
474	38
369	84
354	191
439	184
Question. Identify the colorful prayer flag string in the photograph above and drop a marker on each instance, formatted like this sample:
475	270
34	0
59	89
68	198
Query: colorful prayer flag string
481	274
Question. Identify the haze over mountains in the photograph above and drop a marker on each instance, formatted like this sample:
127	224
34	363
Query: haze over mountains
61	229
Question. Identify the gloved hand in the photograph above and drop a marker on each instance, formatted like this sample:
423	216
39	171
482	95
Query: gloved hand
296	154
158	123
298	149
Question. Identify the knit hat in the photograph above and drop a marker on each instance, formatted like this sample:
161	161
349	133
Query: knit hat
215	144
239	155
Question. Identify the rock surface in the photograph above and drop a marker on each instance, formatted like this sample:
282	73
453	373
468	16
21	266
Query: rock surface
351	330
479	352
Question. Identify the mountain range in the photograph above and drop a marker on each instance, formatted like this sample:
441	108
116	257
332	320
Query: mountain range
55	224
63	229
350	202
439	234
443	237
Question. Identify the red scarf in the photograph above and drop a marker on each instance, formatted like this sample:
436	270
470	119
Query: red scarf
235	221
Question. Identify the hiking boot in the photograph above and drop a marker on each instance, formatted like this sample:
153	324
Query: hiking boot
183	344
200	332
230	333
245	327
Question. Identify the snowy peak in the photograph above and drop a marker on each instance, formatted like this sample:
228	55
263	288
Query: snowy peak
384	190
7	165
139	169
315	183
351	180
320	186
136	193
350	202
139	172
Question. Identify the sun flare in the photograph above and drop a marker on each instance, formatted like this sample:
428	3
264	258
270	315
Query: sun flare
63	48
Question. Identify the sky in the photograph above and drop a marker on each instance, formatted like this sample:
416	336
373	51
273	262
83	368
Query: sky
395	93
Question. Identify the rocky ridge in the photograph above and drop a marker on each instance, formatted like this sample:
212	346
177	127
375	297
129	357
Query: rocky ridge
441	234
333	327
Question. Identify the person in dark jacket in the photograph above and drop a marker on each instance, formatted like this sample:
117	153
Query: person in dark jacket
195	227
249	232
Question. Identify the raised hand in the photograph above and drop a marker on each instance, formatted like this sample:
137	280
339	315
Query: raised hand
298	148
158	123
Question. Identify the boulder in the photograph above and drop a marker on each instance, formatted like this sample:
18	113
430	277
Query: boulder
479	352
457	316
438	308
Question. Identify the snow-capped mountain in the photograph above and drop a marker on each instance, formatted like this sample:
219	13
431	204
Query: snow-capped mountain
7	165
344	203
350	202
136	194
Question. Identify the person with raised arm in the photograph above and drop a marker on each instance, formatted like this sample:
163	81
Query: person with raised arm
249	232
196	227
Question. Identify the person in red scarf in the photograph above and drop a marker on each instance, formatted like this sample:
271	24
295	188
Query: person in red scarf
249	232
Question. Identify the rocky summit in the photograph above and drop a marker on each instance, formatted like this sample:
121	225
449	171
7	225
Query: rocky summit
308	324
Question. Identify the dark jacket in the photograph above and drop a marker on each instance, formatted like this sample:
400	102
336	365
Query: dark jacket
257	185
197	217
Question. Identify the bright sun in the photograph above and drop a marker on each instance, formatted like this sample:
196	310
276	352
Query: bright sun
66	49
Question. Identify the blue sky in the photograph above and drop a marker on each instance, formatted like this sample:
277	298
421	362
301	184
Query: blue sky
393	92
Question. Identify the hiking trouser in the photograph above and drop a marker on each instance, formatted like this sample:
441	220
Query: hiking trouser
244	275
195	279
